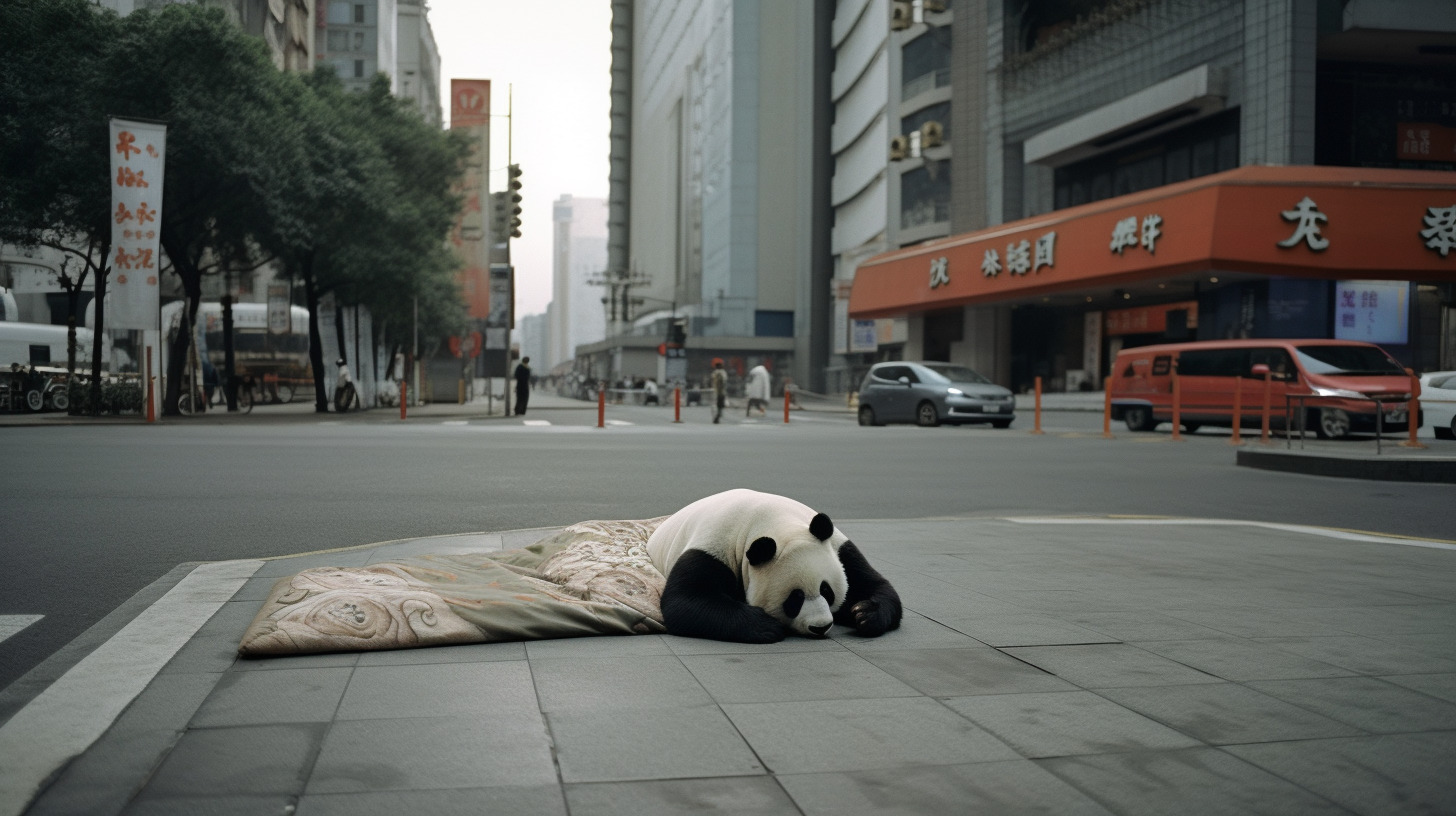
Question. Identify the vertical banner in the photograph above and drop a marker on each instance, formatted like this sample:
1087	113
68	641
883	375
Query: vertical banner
280	310
138	152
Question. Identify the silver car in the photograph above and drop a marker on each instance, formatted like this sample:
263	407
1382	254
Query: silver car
932	393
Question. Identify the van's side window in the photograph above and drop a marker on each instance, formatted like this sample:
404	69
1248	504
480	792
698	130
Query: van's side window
1161	365
1212	363
1281	367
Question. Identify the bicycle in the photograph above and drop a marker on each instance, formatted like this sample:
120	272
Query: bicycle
246	388
346	398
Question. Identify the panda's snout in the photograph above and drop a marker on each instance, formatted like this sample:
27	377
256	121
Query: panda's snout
819	631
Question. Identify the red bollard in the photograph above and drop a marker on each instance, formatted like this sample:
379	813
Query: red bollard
403	397
601	408
1264	424
786	407
1037	429
677	405
1238	409
1177	407
151	405
1106	411
1413	411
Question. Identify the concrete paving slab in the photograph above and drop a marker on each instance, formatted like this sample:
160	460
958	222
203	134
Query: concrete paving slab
1189	782
1024	629
1364	655
915	632
539	800
283	696
510	748
1442	686
775	678
1109	665
1227	713
455	653
241	761
1368	703
897	732
331	660
281	803
473	690
743	795
1065	723
618	744
1013	788
1402	773
964	672
616	683
1240	659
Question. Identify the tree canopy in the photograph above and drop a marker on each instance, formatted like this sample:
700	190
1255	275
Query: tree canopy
350	192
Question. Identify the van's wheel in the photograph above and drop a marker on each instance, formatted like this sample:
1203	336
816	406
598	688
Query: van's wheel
1138	418
1191	427
867	416
34	400
1333	423
926	416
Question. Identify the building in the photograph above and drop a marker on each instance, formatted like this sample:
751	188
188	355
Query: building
578	256
719	180
419	61
1069	178
531	337
360	38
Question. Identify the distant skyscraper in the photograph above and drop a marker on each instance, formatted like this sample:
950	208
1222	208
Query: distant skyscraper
360	38
579	253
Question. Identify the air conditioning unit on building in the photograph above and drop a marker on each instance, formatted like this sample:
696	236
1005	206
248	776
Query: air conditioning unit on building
933	6
899	148
902	15
931	134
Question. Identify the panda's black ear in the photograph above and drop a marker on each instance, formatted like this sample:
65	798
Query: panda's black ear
821	527
762	551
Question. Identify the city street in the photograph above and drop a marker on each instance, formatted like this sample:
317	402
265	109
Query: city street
95	514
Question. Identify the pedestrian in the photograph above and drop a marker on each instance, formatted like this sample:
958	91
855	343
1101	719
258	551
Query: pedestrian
649	396
758	388
523	385
720	389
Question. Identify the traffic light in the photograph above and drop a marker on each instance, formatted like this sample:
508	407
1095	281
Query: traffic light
513	188
500	217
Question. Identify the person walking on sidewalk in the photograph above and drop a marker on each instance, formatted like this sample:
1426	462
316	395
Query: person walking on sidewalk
720	389
523	385
758	390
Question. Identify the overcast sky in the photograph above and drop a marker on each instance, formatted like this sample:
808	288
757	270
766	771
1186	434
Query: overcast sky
556	59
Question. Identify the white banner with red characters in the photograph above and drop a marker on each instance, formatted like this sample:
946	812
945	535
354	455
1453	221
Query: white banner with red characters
138	152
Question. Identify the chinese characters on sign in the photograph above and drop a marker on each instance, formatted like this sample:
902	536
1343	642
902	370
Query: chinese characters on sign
1308	216
938	274
1372	311
1440	232
137	163
1125	233
1019	257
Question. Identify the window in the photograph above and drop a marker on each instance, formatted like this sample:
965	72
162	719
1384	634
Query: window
40	355
926	62
1280	366
935	113
358	41
358	69
925	195
358	12
338	40
340	12
1212	363
1347	360
1200	148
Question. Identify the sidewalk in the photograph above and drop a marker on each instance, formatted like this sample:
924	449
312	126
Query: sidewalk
1045	665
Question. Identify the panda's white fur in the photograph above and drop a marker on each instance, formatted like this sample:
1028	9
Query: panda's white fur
724	526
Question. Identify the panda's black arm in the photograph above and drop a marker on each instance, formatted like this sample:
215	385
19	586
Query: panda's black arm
871	606
704	599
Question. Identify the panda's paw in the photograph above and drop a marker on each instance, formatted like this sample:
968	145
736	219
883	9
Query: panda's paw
761	628
870	618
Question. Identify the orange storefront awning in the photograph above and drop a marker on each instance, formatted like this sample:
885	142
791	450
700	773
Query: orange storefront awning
1322	222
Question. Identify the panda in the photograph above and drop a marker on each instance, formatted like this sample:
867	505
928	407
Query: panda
750	567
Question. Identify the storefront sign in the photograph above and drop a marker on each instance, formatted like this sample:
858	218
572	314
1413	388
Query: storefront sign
1372	311
1440	231
1148	319
938	274
1307	216
1126	233
863	337
1420	141
138	157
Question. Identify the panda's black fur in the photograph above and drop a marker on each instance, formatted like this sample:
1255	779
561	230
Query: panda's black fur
752	567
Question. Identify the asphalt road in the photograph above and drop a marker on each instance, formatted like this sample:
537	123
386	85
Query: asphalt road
91	515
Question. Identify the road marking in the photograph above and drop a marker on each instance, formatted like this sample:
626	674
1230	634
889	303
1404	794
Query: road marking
65	719
1328	532
12	624
619	422
535	422
455	422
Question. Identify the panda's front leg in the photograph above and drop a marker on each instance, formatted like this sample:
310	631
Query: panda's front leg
704	599
871	606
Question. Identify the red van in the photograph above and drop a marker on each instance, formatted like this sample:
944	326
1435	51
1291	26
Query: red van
1340	378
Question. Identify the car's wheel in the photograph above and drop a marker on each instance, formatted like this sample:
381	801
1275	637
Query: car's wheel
1000	423
60	400
1333	424
1446	433
867	416
34	399
1138	418
926	416
1191	427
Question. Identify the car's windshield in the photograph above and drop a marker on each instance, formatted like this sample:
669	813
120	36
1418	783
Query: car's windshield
1348	361
953	373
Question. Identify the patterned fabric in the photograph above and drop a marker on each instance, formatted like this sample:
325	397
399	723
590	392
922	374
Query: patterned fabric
592	578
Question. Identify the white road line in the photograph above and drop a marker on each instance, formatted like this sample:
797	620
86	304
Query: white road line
1327	532
12	624
619	422
74	711
455	422
535	422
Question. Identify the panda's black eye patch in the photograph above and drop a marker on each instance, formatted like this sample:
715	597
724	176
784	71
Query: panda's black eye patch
794	603
826	592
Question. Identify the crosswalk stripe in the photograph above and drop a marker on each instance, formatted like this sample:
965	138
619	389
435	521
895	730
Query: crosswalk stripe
535	422
619	422
13	624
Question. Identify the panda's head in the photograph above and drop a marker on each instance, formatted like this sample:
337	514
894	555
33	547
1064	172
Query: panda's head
795	576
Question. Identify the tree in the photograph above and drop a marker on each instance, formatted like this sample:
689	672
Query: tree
53	159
